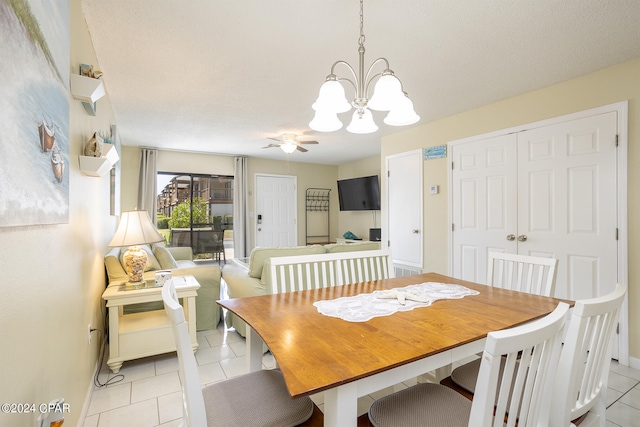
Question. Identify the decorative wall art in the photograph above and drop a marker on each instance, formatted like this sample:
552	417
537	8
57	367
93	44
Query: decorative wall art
34	123
114	177
437	152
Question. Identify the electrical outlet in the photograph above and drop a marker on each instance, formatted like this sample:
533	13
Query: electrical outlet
89	333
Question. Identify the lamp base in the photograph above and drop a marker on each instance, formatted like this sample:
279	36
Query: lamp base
135	261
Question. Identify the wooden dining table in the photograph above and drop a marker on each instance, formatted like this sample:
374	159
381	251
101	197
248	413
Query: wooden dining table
347	360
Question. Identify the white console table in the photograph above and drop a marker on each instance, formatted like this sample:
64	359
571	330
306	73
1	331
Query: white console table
136	335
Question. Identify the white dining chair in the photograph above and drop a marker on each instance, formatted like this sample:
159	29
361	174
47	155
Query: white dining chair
522	397
533	275
256	399
581	381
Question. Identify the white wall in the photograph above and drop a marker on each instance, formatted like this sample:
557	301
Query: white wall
53	277
614	84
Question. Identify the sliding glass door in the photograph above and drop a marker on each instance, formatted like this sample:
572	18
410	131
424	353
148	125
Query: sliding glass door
197	211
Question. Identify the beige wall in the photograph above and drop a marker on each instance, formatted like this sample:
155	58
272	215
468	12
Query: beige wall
53	277
608	86
359	222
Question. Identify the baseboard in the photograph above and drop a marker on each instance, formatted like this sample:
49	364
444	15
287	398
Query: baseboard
89	395
634	363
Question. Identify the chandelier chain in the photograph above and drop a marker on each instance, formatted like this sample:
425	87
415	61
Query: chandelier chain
362	38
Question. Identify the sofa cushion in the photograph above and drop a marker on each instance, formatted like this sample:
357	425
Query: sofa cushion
261	254
164	257
352	247
152	262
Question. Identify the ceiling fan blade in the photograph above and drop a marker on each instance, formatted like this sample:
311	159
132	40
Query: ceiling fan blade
272	145
303	150
308	142
276	139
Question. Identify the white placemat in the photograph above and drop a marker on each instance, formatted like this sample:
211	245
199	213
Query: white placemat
363	307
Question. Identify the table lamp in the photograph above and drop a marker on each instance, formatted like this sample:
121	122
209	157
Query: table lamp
135	229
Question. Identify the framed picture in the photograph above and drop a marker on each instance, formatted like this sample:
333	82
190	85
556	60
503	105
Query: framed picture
437	152
114	193
34	124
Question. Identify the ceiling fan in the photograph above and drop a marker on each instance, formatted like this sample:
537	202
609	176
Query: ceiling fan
288	143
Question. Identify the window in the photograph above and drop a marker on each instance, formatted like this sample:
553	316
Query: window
197	210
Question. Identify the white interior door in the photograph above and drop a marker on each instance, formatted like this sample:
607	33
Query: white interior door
484	195
404	207
552	190
567	202
275	210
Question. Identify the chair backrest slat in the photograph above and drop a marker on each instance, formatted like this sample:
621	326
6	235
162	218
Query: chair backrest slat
586	356
531	354
534	275
193	408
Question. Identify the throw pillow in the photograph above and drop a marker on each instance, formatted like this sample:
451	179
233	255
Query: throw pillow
166	260
152	262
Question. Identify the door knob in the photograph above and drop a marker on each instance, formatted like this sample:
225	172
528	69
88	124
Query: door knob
511	237
259	229
415	231
522	238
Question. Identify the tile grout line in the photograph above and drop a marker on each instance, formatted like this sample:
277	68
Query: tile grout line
624	394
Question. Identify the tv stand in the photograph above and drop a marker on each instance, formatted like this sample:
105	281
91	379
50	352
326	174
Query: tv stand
347	241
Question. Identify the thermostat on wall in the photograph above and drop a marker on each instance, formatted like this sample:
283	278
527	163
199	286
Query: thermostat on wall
434	189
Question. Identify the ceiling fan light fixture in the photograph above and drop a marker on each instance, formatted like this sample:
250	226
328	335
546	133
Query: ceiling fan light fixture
289	147
325	121
362	122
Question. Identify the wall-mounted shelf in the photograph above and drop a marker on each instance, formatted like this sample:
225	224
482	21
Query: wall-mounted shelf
99	166
88	90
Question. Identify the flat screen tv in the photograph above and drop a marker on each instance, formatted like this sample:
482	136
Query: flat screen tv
359	194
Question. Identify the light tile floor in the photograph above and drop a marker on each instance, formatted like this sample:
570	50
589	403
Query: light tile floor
149	393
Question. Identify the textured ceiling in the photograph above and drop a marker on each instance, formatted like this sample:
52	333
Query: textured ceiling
222	76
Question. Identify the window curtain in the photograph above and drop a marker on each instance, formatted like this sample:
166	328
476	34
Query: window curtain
240	208
147	182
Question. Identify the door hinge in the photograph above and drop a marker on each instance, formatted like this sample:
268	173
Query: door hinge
389	243
388	174
616	234
452	166
617	139
453	228
618	329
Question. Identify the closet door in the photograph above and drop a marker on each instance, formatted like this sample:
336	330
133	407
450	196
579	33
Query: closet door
567	204
484	198
549	191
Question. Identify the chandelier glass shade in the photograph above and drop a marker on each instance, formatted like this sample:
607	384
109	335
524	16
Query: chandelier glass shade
388	95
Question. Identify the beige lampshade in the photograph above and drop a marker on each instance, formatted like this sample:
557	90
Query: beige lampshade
135	228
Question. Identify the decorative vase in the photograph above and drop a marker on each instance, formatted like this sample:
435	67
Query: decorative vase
135	261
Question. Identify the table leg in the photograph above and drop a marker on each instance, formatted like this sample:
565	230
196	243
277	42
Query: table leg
341	406
254	350
114	339
189	306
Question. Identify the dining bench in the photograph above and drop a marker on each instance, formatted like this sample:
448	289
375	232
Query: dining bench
301	272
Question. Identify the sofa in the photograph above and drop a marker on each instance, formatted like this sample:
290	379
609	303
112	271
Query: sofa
255	280
179	260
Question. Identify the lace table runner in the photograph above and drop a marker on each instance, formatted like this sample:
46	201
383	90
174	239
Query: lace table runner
363	307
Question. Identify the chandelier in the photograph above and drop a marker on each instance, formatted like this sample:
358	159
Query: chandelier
388	95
